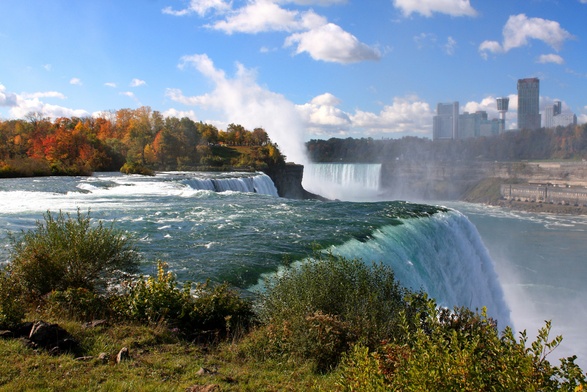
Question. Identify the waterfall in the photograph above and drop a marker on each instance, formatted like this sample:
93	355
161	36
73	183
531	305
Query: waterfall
256	183
442	255
344	181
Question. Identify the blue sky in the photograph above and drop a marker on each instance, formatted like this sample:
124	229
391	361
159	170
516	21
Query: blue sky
301	69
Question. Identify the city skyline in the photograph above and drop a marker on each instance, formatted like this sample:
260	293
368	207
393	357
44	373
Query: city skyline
300	69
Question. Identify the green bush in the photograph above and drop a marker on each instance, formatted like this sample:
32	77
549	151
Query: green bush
321	308
204	310
11	305
462	351
78	304
65	252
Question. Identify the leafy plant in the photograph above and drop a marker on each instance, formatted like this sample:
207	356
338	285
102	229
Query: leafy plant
204	309
11	305
321	308
66	252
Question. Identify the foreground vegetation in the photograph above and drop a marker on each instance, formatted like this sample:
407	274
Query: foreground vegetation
328	324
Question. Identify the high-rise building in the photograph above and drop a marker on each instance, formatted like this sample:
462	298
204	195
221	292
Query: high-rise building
528	103
446	121
554	116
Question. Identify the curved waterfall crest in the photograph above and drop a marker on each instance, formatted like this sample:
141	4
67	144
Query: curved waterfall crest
442	255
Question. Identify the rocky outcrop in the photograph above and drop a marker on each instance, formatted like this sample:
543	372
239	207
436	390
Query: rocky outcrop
288	181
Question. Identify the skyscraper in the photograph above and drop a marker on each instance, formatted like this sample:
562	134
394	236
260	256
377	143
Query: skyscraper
528	103
446	121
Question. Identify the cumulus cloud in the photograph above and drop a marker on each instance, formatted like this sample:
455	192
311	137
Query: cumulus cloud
321	115
429	7
110	84
22	104
332	44
519	29
75	81
6	98
406	115
259	16
180	114
242	100
551	58
309	32
137	82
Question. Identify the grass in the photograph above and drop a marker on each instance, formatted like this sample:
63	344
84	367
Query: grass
160	361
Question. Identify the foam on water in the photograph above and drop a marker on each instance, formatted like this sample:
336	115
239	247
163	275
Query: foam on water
443	255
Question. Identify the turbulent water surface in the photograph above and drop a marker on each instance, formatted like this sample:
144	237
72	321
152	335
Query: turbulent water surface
233	227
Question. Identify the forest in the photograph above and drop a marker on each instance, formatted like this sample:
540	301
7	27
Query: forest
131	140
560	143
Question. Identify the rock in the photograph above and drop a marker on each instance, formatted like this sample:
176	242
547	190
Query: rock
95	323
203	388
123	355
51	337
103	357
205	372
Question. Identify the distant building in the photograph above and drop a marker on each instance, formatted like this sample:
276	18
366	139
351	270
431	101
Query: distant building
528	104
564	119
446	121
553	116
502	107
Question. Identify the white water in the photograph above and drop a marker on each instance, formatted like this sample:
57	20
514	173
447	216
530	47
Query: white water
343	181
442	255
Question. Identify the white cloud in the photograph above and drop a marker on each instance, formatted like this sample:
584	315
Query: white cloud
137	82
519	29
6	98
200	7
429	7
332	44
406	115
75	81
47	67
241	100
259	16
46	94
551	58
22	104
450	46
180	114
110	84
321	114
311	33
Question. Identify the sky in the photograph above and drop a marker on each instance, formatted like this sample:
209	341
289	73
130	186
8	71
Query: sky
301	69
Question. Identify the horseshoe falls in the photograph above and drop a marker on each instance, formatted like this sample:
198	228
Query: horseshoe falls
232	227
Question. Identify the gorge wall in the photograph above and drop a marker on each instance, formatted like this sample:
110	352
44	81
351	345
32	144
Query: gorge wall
455	180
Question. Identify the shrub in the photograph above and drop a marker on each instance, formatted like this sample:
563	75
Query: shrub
321	308
204	310
11	306
65	252
78	304
462	352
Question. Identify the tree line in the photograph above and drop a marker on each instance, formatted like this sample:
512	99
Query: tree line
557	143
134	140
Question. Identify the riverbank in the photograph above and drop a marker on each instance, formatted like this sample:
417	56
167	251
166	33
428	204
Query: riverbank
541	207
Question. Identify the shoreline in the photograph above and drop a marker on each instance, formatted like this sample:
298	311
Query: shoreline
544	208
